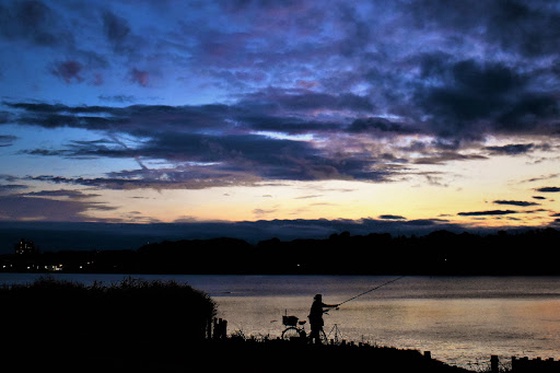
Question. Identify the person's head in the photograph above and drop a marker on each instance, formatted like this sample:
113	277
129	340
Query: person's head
318	297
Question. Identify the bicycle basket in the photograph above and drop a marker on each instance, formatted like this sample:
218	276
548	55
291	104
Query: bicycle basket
289	320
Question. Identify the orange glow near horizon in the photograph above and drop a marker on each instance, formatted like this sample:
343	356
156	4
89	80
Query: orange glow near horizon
443	196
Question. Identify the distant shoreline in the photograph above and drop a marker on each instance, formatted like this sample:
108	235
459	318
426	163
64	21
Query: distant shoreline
80	236
438	253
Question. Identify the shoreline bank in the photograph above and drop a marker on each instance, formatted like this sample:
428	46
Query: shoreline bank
235	354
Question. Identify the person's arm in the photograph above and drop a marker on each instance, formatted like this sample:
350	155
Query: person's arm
330	305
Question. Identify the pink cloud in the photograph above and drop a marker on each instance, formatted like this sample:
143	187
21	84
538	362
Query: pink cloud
68	71
140	77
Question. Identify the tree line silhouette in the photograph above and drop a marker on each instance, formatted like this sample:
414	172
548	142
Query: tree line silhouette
441	252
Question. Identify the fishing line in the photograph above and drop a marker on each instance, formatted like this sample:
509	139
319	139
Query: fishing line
370	290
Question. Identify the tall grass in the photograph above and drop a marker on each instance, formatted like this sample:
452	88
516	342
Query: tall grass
132	315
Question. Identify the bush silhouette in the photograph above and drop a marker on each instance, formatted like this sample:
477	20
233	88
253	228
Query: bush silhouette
133	315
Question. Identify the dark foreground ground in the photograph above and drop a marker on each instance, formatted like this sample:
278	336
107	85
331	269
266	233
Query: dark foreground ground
226	355
282	356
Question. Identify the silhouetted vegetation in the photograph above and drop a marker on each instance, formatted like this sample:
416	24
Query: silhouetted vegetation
60	320
438	253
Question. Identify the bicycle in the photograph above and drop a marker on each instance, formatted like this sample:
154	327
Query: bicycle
295	330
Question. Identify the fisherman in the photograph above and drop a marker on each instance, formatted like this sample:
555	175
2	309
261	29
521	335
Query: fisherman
316	317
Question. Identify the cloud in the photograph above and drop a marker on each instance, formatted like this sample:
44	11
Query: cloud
368	91
517	25
19	202
196	135
515	203
392	217
302	197
140	77
155	179
262	213
11	188
29	208
511	149
71	194
299	101
380	127
31	21
7	140
117	98
68	71
446	156
117	30
266	136
548	189
489	212
475	96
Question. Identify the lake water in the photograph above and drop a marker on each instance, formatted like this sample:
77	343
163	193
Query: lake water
461	320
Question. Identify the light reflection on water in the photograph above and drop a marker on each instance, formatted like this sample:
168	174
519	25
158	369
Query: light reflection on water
461	320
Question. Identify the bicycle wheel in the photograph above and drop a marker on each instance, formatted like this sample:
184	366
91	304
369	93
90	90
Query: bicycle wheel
290	333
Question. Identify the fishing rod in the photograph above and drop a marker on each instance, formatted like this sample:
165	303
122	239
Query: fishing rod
370	290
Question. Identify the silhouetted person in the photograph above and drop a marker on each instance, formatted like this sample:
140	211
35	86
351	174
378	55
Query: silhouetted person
316	317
